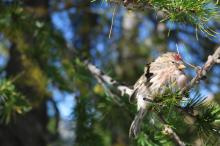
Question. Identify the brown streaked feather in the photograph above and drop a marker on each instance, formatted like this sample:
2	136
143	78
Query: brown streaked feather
144	79
160	74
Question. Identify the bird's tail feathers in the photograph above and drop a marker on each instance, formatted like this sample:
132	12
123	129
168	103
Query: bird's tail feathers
136	124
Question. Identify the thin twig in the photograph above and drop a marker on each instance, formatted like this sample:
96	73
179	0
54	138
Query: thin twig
169	131
112	22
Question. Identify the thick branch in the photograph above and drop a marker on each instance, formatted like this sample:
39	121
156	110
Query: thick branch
202	72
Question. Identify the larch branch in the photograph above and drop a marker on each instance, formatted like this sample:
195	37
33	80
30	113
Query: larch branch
105	79
125	90
169	131
202	71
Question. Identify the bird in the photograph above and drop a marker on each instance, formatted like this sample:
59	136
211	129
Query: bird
166	70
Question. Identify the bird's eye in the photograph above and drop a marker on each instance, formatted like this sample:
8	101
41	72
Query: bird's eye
173	62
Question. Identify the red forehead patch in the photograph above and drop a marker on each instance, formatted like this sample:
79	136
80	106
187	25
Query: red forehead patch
177	57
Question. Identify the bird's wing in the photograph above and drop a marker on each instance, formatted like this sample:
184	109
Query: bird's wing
144	80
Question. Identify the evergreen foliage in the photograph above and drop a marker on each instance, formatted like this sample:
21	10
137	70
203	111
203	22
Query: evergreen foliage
11	102
39	58
195	12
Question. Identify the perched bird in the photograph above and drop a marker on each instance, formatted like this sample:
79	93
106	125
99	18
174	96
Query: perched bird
166	70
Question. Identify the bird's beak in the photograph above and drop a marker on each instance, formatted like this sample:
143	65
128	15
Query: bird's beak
181	66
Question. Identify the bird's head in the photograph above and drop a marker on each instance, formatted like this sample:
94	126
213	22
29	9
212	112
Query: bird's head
171	59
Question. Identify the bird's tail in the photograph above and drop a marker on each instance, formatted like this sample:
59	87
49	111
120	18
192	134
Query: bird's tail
136	124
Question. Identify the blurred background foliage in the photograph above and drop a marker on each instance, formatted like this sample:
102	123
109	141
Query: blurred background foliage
48	97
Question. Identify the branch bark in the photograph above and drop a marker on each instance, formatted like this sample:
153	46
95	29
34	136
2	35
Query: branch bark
105	79
202	71
169	131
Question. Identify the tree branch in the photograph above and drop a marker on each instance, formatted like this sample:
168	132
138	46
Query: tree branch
104	79
169	131
202	71
124	90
